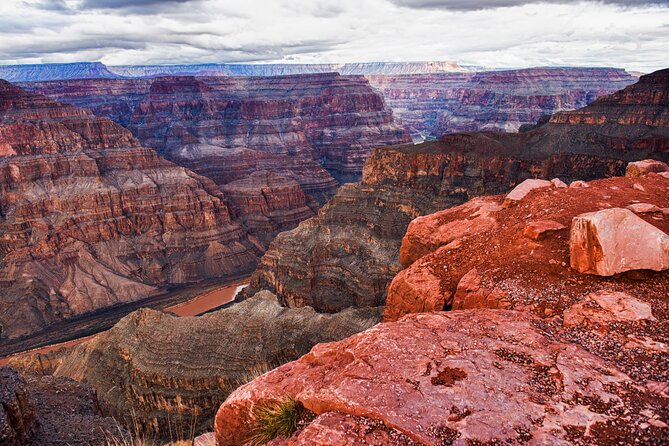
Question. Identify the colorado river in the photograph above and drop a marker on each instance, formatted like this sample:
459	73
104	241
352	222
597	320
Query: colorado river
197	305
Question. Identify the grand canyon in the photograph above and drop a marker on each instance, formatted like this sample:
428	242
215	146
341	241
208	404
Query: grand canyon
210	240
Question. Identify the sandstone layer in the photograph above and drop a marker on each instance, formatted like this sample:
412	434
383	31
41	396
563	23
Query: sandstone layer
90	219
169	369
433	104
348	254
464	377
289	123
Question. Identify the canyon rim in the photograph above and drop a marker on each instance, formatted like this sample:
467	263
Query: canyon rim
334	223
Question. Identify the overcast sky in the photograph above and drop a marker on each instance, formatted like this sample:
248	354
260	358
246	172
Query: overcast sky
493	33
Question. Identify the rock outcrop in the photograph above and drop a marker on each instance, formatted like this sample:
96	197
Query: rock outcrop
348	254
478	255
203	123
48	411
165	368
475	377
433	104
90	219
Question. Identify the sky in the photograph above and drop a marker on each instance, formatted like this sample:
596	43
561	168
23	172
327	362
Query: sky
632	34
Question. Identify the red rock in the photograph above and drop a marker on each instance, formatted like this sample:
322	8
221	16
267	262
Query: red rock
558	183
512	269
639	168
89	219
420	291
519	192
536	230
578	184
471	376
613	241
208	439
603	307
470	294
642	208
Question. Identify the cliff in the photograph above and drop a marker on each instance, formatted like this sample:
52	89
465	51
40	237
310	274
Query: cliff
534	350
165	368
207	123
348	254
55	71
433	104
90	219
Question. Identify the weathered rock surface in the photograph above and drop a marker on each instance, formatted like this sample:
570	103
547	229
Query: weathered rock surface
513	270
48	411
477	377
644	167
433	104
89	219
612	241
268	203
198	122
348	254
166	368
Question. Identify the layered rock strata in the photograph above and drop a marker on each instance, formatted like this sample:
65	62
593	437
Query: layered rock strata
348	254
166	369
203	123
90	219
433	104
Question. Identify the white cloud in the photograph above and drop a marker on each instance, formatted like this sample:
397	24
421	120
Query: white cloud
631	34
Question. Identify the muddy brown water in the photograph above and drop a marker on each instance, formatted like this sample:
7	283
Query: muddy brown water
193	307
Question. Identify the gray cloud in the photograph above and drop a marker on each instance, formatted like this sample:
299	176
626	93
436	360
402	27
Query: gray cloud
119	4
474	5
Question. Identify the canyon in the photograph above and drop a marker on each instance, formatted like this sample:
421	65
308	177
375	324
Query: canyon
430	105
349	253
90	219
166	369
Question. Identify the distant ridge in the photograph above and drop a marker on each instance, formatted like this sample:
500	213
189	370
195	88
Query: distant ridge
89	70
55	71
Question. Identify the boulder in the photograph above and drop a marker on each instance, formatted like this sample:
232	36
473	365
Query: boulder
519	192
470	294
578	184
612	241
639	168
642	208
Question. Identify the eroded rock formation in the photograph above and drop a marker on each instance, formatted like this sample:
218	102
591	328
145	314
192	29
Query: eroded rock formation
204	123
166	368
433	104
90	219
348	254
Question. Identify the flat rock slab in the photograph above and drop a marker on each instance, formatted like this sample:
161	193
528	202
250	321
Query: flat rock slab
475	376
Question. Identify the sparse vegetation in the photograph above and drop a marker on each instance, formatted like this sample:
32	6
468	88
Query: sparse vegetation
279	419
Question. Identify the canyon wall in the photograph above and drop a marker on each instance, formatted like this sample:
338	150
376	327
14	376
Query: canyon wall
348	254
90	219
289	123
168	369
430	105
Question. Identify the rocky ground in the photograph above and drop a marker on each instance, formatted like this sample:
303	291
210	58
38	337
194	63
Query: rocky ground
532	347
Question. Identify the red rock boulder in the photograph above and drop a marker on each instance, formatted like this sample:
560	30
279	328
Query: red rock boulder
612	241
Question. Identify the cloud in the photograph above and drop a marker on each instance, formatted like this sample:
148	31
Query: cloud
474	5
120	32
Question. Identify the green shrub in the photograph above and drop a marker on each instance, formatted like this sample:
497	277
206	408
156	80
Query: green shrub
279	419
